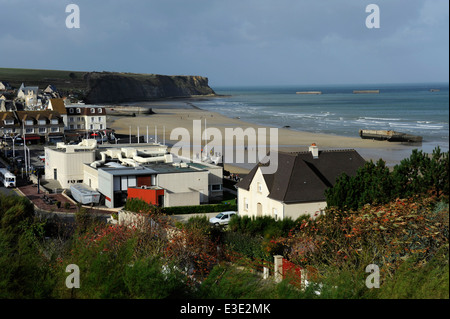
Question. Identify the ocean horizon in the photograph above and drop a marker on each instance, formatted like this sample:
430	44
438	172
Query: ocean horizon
419	109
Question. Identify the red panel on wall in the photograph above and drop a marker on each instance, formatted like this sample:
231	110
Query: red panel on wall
148	195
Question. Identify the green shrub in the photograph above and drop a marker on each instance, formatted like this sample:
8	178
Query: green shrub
138	206
246	244
198	222
422	281
375	184
199	209
150	279
231	283
265	226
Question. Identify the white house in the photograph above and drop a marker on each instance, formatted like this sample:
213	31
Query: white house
29	94
4	86
298	186
86	117
120	168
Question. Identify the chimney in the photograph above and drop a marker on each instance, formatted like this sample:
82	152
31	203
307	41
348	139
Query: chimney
314	150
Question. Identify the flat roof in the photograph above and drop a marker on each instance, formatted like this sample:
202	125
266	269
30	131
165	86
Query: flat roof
158	168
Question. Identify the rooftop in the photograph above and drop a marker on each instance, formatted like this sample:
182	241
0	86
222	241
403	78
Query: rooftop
301	177
147	169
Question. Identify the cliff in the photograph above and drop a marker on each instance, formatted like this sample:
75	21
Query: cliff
106	87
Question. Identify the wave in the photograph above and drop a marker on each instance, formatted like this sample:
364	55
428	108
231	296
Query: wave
381	118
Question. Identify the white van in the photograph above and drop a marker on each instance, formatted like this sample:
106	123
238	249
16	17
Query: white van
222	218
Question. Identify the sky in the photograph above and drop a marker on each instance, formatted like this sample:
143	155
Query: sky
234	42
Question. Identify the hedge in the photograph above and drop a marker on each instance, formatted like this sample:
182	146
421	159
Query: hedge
211	208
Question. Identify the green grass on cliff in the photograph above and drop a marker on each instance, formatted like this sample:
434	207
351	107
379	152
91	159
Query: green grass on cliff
61	79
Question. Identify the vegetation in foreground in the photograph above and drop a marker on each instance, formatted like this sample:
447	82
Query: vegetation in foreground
407	238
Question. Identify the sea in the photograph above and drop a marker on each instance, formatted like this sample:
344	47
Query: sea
418	109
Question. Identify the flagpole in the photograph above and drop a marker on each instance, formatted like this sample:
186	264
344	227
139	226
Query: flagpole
24	147
206	144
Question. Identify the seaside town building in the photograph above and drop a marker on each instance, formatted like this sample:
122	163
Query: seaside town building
29	94
33	126
85	117
4	86
59	106
298	186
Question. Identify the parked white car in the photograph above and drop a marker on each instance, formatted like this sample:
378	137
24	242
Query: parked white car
222	219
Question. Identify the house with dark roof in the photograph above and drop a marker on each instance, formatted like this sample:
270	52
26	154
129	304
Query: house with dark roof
59	106
33	126
298	186
4	86
29	94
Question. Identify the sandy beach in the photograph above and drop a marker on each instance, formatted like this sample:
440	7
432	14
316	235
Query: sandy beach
170	115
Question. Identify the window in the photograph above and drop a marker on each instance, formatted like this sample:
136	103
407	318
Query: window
99	119
216	187
245	203
99	110
9	122
259	187
71	119
55	129
29	130
92	119
275	213
71	126
78	110
91	127
29	122
42	130
71	110
79	119
92	110
101	126
42	122
54	121
79	126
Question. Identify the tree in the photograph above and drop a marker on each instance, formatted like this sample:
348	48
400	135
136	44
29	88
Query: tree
372	184
24	271
421	172
375	184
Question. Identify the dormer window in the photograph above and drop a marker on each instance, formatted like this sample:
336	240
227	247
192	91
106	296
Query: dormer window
99	110
29	122
78	110
9	122
92	110
42	122
71	111
54	121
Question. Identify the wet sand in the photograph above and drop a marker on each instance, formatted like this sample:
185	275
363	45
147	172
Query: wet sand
170	115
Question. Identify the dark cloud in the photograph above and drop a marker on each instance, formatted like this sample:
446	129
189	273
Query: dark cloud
233	42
